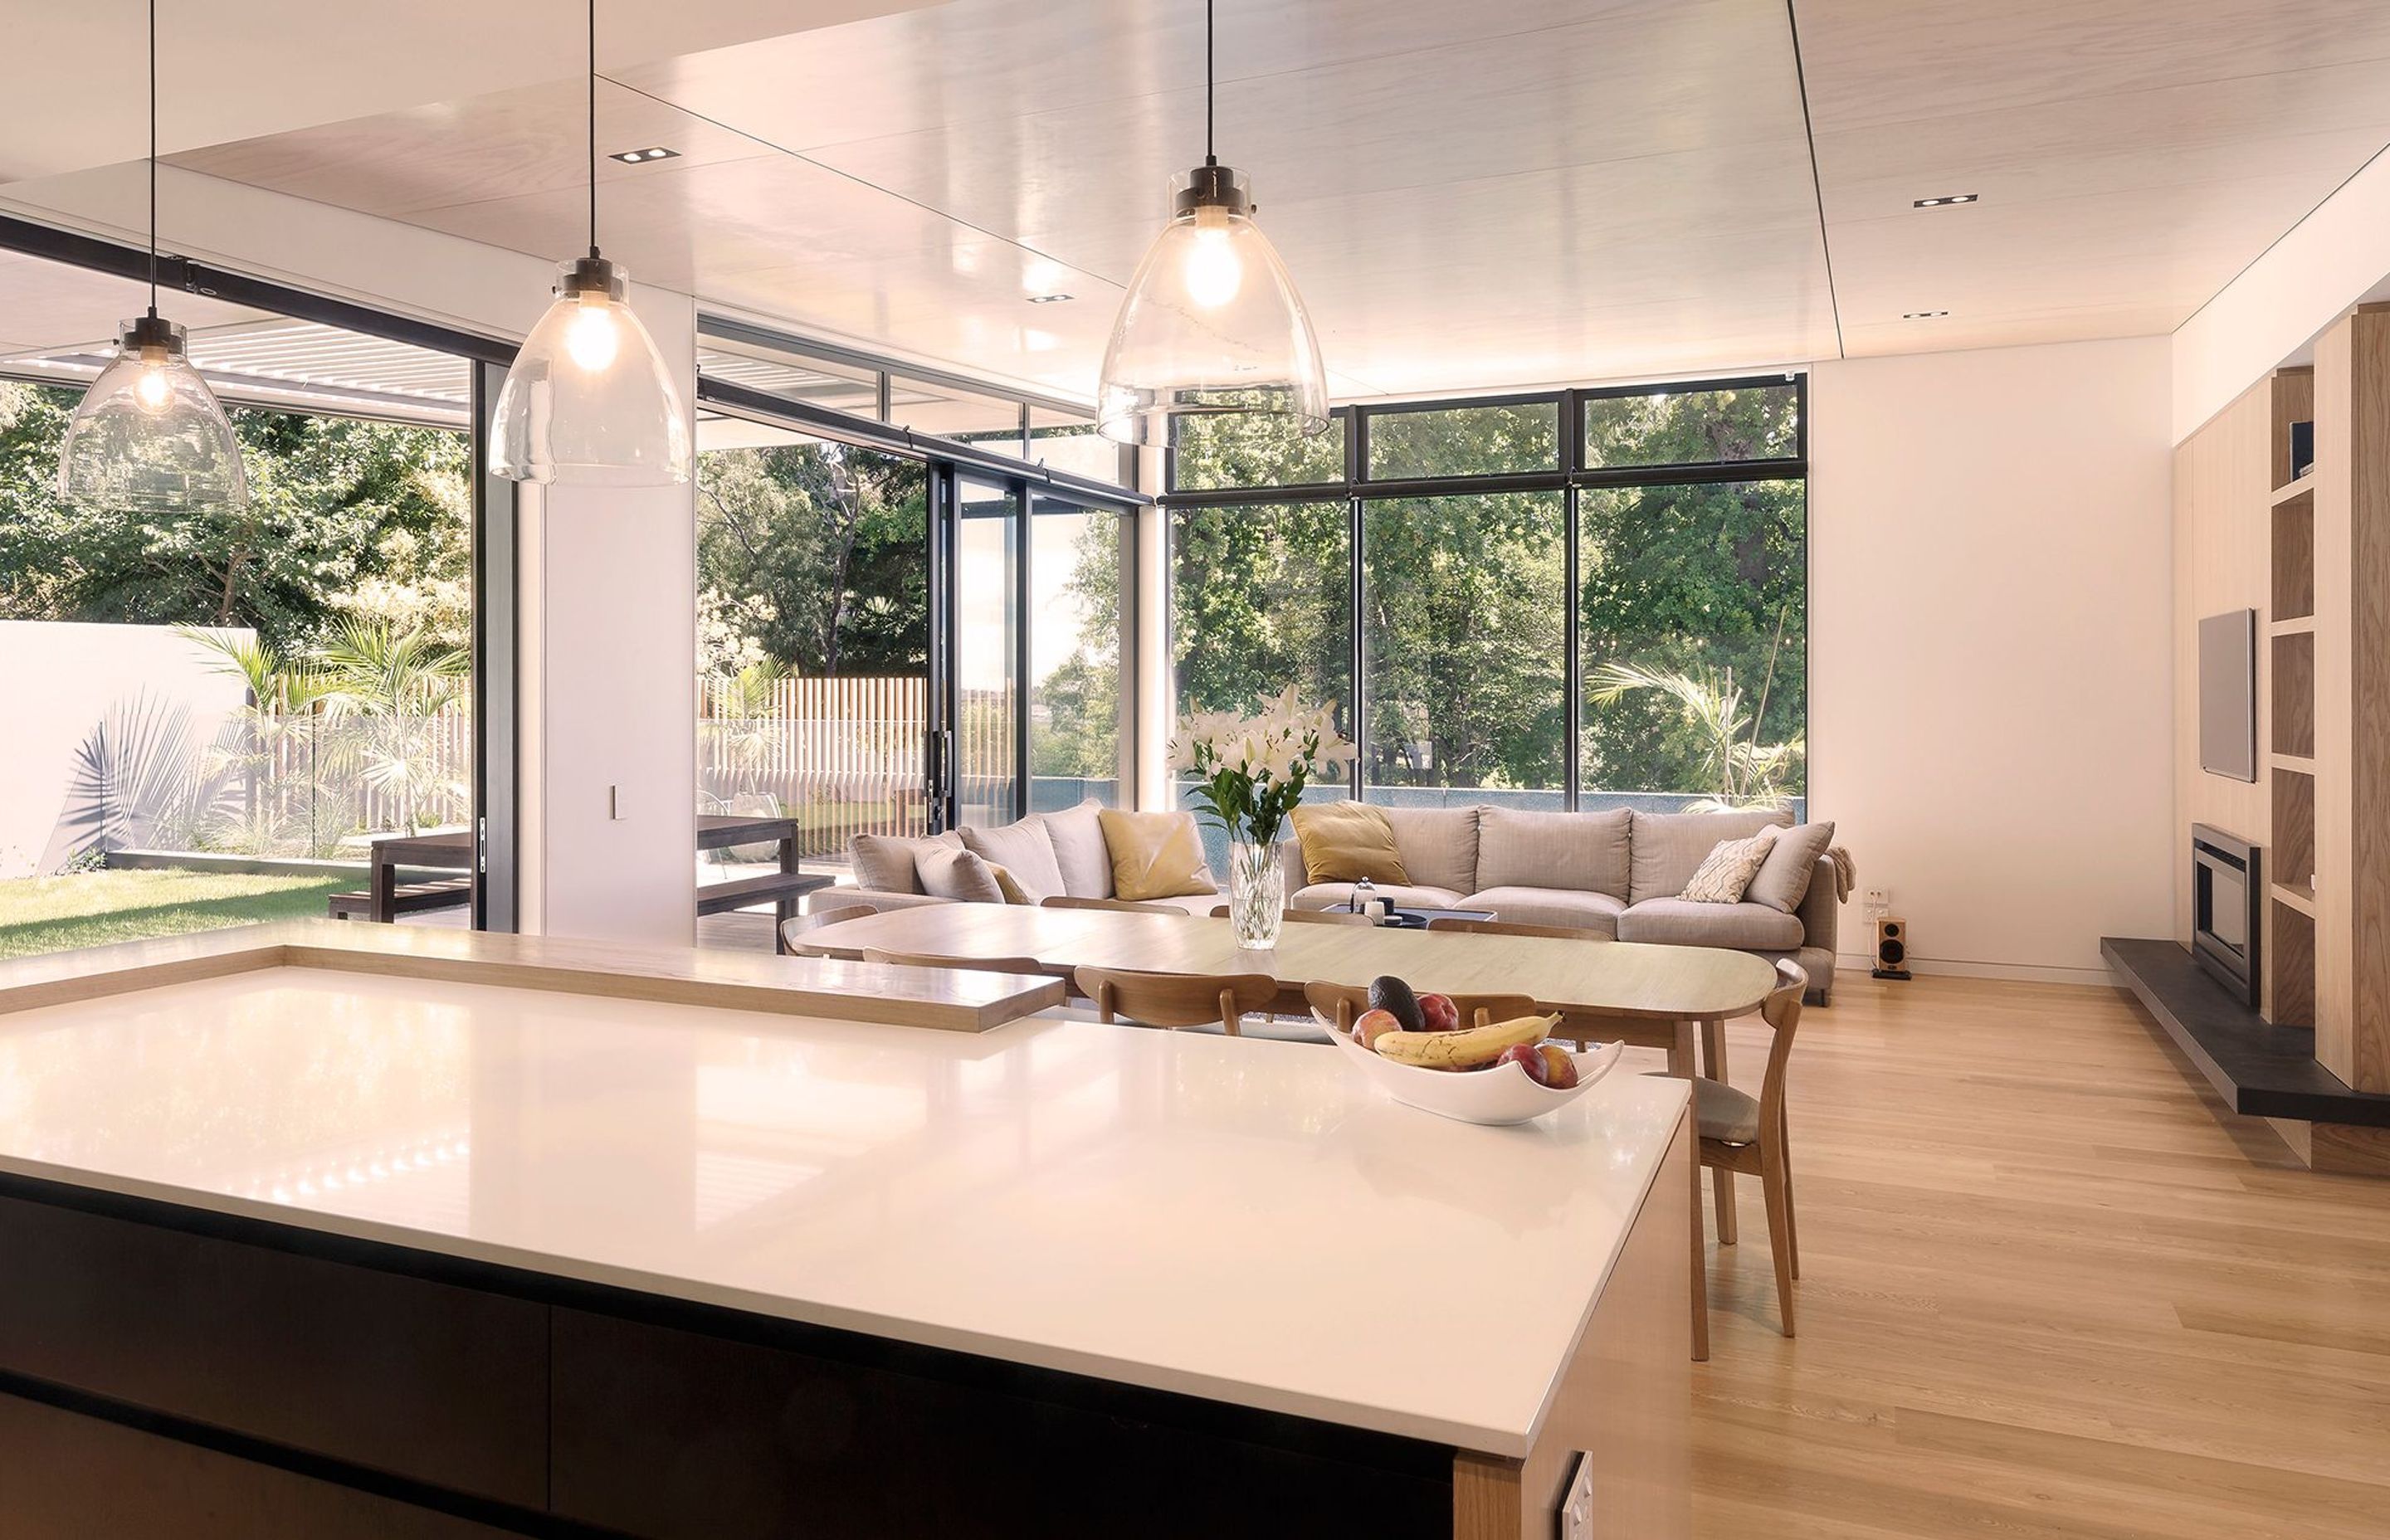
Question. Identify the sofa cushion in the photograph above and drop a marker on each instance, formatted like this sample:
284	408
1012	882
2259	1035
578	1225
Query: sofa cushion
1347	842
1669	847
1549	907
1155	855
1439	845
1079	850
890	862
1586	852
1682	922
1783	882
1025	850
961	875
1407	895
1725	872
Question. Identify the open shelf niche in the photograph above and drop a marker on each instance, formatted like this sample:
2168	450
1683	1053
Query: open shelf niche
2290	910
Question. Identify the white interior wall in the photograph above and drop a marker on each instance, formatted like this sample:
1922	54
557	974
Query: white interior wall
1991	705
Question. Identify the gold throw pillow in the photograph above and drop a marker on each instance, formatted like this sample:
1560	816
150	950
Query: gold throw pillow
1347	842
1155	855
1007	884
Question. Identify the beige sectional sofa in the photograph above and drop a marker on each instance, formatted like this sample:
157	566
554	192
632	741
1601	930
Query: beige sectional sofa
1615	872
888	872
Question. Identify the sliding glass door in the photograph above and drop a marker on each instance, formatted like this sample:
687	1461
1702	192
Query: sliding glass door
985	660
814	635
1079	569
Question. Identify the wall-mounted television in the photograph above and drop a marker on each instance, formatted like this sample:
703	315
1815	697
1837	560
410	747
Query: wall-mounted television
2228	695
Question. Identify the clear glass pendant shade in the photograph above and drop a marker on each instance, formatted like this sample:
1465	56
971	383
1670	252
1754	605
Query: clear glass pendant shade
149	436
1211	325
589	402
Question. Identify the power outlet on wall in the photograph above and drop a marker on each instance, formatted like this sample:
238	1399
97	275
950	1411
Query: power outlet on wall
1879	899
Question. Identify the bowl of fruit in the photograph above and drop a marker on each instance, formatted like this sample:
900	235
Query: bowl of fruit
1420	1052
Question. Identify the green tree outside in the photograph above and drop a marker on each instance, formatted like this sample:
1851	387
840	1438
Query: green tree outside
344	519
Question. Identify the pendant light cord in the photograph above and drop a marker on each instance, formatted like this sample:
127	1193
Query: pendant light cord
593	128
153	159
1209	159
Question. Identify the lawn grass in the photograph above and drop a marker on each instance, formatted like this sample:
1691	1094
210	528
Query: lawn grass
52	913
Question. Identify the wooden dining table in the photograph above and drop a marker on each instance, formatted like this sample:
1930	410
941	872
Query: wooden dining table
1607	991
1652	996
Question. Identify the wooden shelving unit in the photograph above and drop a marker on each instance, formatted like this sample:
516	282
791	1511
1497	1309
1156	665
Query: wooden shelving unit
2290	915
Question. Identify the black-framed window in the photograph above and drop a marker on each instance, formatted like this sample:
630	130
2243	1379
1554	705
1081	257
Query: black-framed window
1024	568
1591	598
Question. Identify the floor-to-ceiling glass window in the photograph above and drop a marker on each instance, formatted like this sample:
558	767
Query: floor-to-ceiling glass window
986	655
916	594
1563	598
1260	600
1078	701
1464	614
212	716
814	634
1693	600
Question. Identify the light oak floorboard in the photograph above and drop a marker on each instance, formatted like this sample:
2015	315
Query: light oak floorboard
2050	1289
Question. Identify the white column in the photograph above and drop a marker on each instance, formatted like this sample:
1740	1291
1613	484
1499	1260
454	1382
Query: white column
609	735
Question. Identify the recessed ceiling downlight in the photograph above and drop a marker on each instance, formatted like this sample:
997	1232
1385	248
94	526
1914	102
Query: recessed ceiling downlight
1945	201
1922	315
653	152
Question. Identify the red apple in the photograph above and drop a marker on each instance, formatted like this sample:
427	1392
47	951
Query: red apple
1560	1070
1528	1057
1372	1025
1438	1013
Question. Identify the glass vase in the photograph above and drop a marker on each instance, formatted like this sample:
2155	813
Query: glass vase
1256	893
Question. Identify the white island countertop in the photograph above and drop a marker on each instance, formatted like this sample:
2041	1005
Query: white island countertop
1241	1220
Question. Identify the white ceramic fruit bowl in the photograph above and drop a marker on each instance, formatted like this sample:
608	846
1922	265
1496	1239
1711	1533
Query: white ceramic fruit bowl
1498	1096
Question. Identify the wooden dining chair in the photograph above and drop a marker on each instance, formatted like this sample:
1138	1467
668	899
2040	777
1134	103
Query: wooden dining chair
1343	1004
797	925
1511	928
1312	917
1123	905
1747	1134
1029	966
1176	1000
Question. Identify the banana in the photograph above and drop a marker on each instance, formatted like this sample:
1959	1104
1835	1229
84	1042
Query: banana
1439	1050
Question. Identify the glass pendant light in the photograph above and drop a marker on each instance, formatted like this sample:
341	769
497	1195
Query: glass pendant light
148	436
1212	326
589	402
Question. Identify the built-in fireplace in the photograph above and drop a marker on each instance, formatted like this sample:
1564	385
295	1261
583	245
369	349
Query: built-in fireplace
2226	891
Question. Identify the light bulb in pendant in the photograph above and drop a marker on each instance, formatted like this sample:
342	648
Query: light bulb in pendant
593	339
1213	272
153	393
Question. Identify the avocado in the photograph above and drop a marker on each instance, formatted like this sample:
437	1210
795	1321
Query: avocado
1395	997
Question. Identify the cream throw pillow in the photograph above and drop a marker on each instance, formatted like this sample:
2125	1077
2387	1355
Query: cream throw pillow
1727	871
1025	851
958	874
1155	855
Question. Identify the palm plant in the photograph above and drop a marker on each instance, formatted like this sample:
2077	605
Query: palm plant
253	750
396	688
1744	772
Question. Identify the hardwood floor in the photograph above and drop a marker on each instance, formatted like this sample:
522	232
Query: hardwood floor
2045	1293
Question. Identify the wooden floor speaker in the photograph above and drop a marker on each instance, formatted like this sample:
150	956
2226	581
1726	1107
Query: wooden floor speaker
1891	947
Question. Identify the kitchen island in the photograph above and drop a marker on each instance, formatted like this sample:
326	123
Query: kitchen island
351	1247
